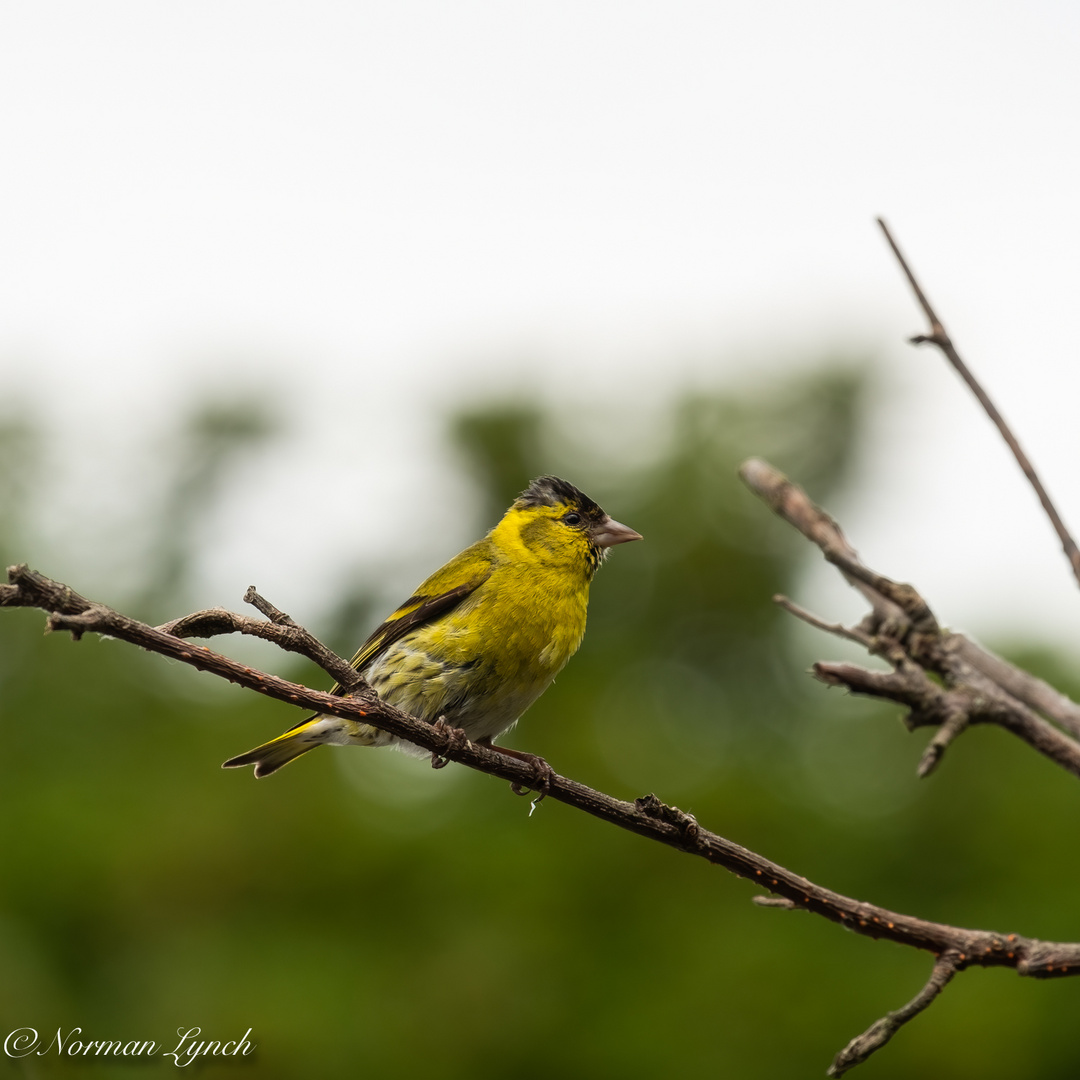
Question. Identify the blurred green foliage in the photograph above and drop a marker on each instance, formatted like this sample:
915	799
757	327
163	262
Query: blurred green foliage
367	916
204	448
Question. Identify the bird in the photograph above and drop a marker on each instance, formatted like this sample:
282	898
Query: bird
483	637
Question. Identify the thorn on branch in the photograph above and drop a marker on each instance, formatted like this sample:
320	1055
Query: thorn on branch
776	902
879	1033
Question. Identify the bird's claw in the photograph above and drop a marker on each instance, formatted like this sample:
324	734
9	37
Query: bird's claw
543	775
456	739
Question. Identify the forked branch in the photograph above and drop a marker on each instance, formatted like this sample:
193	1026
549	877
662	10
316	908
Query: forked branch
979	687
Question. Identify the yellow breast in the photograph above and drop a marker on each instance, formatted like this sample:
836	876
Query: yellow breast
488	660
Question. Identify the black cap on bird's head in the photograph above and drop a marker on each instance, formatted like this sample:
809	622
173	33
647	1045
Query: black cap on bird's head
603	531
551	491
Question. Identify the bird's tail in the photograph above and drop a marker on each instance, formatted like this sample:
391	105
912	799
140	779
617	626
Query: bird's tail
269	757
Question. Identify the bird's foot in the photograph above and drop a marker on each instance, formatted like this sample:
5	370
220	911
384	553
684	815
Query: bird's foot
456	739
543	773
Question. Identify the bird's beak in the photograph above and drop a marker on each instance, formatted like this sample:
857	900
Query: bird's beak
611	532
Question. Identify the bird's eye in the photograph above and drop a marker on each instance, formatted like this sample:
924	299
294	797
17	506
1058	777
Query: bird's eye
571	518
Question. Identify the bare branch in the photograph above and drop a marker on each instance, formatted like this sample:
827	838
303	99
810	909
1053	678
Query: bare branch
879	1033
281	630
941	339
979	687
1023	686
894	604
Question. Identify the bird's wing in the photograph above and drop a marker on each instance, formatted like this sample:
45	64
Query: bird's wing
440	594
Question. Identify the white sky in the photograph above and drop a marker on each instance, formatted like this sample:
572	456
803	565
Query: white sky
386	206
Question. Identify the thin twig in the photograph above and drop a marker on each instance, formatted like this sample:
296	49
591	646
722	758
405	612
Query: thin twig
895	605
281	630
262	605
952	727
879	1033
851	633
941	339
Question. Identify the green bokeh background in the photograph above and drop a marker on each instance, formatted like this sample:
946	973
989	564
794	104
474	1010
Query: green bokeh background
367	916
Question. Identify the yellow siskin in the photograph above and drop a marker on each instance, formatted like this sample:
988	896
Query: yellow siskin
483	637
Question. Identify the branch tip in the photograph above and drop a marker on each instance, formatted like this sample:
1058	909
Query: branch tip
838	629
881	1031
